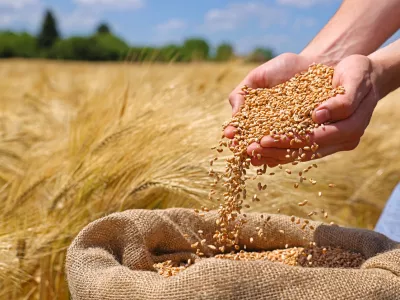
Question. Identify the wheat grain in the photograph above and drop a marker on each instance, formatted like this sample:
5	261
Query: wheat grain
313	256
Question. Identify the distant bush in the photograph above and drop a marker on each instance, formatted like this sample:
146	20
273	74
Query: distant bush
111	47
102	47
17	45
138	54
171	53
260	55
195	50
79	48
224	52
105	46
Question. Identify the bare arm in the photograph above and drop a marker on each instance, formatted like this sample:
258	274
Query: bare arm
358	27
346	42
387	62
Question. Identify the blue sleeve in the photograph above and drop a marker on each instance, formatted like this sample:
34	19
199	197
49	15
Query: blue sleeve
389	221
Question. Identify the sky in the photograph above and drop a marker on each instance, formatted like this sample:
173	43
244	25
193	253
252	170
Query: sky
283	25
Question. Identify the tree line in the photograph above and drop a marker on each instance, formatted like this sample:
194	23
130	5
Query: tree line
103	45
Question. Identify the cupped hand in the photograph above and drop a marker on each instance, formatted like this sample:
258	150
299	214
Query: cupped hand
347	114
269	74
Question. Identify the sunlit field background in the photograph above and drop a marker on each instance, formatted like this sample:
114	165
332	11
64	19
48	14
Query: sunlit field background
81	140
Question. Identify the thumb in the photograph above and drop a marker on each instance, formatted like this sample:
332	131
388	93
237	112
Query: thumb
337	108
236	100
356	83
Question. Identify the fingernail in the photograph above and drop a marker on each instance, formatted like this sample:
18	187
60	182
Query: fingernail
322	116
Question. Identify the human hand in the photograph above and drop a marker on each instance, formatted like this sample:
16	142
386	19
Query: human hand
269	74
348	114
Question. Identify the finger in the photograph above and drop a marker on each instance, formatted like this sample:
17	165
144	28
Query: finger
230	132
263	161
323	135
273	72
275	154
282	156
357	85
236	98
349	129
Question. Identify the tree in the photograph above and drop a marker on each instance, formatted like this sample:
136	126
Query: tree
111	47
224	52
260	55
49	32
76	48
102	47
17	45
103	28
195	49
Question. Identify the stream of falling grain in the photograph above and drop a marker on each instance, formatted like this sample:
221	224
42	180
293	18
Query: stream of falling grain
283	113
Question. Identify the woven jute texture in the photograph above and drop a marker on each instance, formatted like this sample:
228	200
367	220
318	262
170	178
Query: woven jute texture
113	257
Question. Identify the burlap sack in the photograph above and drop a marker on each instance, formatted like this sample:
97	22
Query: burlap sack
113	257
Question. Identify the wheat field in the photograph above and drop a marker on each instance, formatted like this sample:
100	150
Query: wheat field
80	141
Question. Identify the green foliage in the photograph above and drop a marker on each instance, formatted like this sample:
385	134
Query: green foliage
49	32
171	53
260	55
17	45
103	28
195	50
100	47
138	54
80	48
151	54
224	52
104	46
111	47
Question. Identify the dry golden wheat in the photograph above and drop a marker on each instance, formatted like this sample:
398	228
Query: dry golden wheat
311	257
81	140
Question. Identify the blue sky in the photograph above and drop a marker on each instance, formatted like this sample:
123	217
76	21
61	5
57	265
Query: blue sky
284	25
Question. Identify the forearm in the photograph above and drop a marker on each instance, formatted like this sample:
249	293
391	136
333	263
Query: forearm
387	63
358	27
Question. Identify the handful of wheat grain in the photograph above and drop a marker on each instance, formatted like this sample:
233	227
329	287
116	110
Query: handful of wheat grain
283	112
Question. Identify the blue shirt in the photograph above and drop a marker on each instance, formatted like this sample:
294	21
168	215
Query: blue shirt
389	221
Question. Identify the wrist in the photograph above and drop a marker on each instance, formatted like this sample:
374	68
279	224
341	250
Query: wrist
386	67
379	71
328	55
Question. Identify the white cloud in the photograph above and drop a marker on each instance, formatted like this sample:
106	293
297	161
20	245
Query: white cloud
89	13
6	19
78	20
112	4
236	14
26	12
304	3
171	25
17	4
